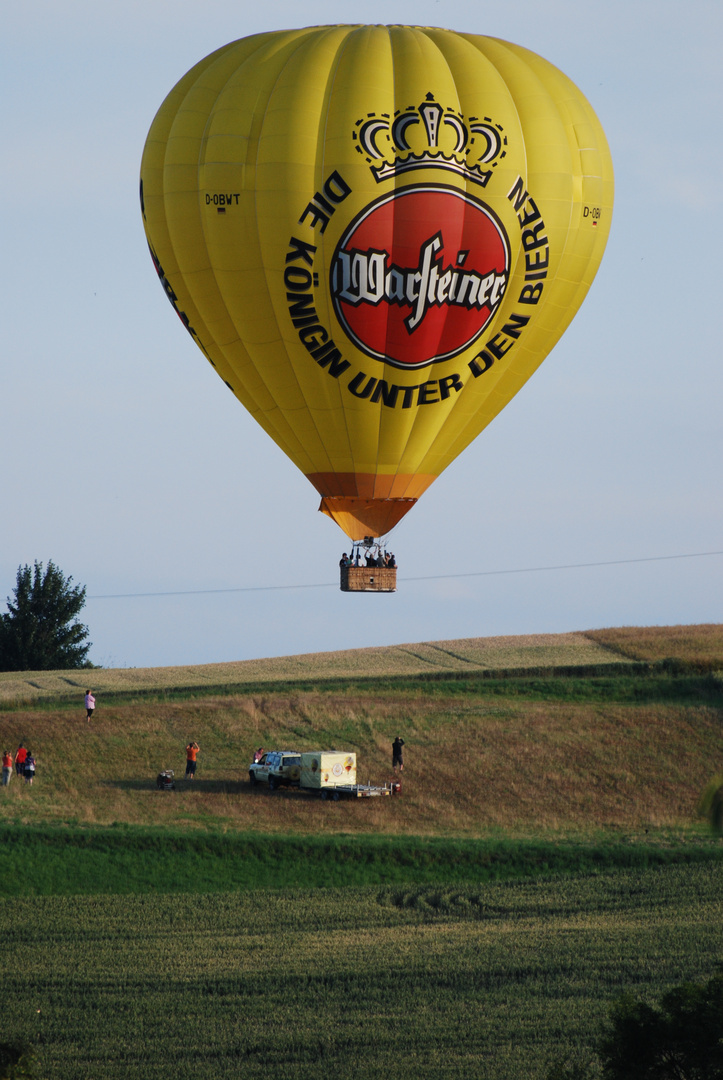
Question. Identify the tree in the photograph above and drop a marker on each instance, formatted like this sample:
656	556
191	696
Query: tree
680	1040
18	1060
710	804
577	1064
39	631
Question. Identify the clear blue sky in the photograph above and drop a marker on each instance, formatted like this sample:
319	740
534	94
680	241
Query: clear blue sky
125	460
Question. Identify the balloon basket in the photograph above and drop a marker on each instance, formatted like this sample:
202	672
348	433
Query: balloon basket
368	568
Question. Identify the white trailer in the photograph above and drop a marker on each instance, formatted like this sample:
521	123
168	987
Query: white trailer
324	769
333	774
330	772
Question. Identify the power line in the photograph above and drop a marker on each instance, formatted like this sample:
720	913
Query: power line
207	592
572	566
430	577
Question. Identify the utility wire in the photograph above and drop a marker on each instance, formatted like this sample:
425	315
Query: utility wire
572	566
431	577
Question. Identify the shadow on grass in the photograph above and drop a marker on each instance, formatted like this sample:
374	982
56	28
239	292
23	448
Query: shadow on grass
207	787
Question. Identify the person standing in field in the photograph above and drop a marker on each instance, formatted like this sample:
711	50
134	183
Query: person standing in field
29	768
191	752
397	754
7	767
20	757
89	705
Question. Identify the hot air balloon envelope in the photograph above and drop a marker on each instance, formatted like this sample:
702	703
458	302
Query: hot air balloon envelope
375	235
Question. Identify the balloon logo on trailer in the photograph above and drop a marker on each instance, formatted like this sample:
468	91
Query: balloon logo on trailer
375	235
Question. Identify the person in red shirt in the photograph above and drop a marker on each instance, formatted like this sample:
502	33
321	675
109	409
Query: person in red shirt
7	767
20	760
191	751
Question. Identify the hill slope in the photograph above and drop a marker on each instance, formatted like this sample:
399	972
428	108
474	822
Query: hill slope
631	749
700	646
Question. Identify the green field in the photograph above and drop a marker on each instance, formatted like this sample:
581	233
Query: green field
546	854
478	981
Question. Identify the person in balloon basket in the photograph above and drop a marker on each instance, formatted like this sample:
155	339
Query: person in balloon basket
191	753
345	560
89	706
20	756
397	759
7	767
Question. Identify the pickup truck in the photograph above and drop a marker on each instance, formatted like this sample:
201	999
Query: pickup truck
276	767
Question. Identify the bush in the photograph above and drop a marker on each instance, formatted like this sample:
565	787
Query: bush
682	1039
18	1061
710	804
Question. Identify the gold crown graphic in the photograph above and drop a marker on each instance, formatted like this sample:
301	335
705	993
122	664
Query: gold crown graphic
428	136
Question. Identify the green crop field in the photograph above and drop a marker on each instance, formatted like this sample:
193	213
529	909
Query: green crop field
478	981
548	852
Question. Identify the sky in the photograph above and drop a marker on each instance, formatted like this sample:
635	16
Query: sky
125	460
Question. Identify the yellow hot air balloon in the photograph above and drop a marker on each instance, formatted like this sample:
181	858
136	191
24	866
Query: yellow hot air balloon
375	234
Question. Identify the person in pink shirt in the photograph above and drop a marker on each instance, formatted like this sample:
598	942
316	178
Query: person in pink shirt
89	706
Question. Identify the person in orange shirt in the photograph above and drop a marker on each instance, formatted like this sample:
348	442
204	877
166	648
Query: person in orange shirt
191	751
7	767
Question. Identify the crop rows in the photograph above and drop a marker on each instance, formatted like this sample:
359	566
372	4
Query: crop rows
491	981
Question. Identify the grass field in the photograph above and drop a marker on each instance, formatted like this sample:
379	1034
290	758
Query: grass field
546	854
142	861
552	754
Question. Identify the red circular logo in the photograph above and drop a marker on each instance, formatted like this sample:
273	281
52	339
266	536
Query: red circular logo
419	274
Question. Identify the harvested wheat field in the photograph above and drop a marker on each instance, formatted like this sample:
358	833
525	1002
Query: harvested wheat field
696	645
531	651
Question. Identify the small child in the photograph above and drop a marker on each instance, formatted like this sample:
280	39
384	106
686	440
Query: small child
29	768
